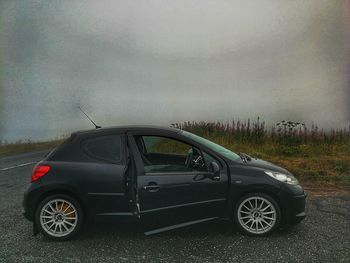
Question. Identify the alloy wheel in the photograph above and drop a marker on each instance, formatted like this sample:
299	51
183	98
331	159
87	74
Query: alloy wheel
58	217
257	215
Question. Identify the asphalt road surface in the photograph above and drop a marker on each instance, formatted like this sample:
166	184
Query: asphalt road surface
324	236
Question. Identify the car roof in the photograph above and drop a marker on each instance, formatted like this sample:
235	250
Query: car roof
123	129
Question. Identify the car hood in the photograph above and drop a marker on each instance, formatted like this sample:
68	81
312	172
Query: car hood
259	163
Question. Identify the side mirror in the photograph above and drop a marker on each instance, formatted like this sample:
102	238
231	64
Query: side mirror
215	169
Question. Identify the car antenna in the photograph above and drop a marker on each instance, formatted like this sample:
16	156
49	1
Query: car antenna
87	116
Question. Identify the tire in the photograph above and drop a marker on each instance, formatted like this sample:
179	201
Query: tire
257	214
59	217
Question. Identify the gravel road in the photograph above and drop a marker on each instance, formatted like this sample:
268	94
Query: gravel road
324	236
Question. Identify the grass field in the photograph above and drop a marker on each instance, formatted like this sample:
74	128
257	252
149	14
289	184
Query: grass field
22	147
313	155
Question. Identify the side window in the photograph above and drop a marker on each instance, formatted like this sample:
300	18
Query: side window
106	148
167	155
164	145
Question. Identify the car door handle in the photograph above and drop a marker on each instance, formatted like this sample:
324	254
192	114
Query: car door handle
152	188
216	178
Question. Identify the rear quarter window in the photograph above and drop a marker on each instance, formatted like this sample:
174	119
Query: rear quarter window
104	148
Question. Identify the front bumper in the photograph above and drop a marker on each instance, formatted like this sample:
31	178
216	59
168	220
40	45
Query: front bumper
293	200
297	209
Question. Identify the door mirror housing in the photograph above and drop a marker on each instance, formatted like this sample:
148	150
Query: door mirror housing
214	168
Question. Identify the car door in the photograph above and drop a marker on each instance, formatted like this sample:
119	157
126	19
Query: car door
171	194
103	173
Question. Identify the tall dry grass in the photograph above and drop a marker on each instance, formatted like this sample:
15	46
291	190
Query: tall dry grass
311	153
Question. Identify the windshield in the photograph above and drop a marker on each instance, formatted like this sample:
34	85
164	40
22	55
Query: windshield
213	146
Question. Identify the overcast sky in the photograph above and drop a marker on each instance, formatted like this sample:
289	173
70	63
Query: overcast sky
159	62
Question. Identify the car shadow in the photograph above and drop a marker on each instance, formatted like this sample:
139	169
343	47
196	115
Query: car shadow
219	228
132	230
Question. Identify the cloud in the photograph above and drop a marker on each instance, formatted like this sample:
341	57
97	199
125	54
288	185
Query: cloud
164	61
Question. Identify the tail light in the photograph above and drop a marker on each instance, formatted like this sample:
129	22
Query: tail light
39	171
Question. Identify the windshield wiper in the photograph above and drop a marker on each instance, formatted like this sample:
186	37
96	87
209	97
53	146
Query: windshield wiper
243	157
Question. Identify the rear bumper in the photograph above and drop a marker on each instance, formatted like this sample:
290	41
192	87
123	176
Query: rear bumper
27	215
30	199
27	210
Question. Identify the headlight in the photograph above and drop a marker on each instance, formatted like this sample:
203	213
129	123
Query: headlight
286	178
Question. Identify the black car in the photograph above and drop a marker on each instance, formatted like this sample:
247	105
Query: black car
165	178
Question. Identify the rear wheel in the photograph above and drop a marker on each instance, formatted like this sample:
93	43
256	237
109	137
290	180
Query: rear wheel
257	214
59	217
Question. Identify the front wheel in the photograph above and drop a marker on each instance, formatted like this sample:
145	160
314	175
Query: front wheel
257	214
59	217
